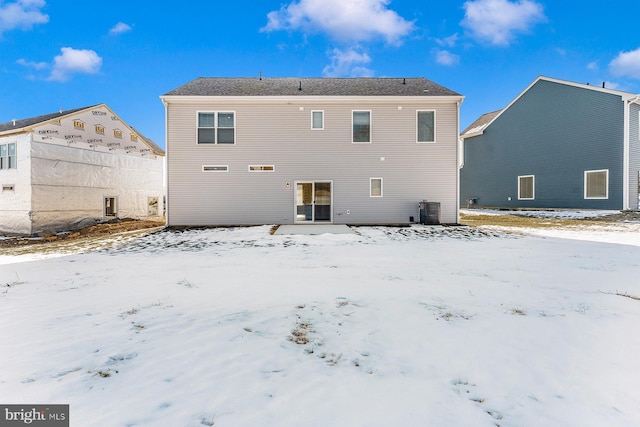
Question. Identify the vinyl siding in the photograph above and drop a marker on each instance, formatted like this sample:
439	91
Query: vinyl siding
280	134
554	132
634	157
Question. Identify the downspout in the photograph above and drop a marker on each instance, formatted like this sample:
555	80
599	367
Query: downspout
626	179
459	165
626	162
166	160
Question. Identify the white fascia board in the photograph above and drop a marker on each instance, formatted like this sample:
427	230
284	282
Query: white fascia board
247	100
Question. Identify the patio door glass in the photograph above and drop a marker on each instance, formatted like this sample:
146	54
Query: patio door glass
313	201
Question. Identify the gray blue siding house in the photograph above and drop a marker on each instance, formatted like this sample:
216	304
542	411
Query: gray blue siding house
245	151
558	144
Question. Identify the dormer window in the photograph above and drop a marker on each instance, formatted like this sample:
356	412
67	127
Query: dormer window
117	133
78	124
100	129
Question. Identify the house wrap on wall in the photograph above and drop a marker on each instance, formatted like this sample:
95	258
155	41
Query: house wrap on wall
72	168
558	144
308	150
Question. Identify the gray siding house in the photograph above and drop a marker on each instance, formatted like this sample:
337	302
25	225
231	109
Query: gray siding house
244	151
558	144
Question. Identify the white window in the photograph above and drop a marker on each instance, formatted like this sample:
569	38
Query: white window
526	187
361	126
426	126
596	184
8	156
317	120
375	187
261	168
216	127
215	168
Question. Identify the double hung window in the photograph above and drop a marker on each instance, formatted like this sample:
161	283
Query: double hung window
361	126
8	156
426	124
216	128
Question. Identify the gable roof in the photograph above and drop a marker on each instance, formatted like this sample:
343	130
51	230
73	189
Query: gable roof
477	127
483	122
219	86
24	123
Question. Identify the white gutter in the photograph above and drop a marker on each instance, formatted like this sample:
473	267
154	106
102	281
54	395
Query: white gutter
626	162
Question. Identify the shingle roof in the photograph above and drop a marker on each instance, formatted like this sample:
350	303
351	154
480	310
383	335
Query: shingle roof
480	124
218	86
23	123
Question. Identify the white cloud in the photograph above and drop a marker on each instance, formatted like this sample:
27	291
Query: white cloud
626	64
73	61
448	41
345	21
497	21
593	66
348	63
32	64
120	28
444	57
23	14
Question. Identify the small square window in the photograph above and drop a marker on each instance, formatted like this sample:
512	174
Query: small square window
117	133
526	187
134	137
317	120
375	187
596	184
100	129
78	124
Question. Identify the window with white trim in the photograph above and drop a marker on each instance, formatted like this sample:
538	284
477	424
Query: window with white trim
216	127
425	126
262	168
317	119
375	187
8	156
526	187
215	168
596	184
361	126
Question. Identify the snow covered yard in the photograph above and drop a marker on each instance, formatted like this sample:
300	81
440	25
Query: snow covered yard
419	326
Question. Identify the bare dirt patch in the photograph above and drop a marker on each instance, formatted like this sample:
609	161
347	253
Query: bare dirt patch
88	238
524	221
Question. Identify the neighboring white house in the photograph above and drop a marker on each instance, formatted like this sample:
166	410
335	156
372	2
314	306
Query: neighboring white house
72	168
306	150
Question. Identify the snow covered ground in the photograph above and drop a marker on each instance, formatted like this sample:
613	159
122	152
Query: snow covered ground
418	326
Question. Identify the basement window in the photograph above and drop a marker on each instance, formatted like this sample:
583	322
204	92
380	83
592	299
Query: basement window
215	168
110	206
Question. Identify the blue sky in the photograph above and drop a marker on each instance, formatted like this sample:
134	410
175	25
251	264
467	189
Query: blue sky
68	54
